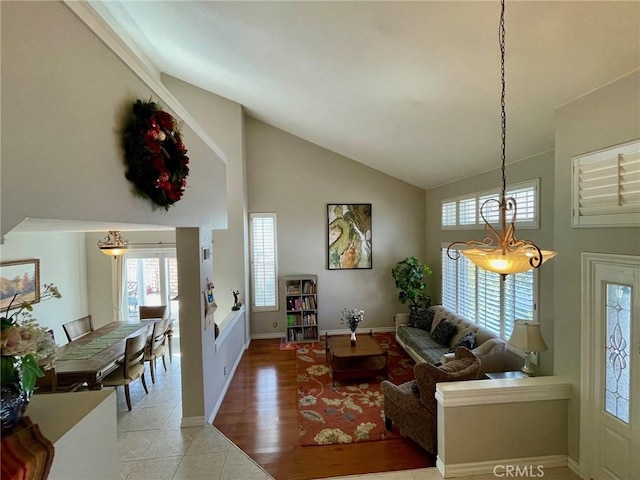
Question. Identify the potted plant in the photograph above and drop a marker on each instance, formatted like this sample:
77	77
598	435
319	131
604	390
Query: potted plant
409	275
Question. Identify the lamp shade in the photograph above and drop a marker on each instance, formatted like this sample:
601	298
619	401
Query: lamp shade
504	263
113	244
526	336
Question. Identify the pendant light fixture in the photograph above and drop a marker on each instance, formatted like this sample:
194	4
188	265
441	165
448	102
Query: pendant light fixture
500	251
113	244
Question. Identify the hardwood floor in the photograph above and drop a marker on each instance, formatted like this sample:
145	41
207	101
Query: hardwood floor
259	415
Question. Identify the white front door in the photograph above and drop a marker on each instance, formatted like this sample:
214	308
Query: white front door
612	369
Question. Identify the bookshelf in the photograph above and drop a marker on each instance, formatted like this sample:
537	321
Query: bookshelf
301	300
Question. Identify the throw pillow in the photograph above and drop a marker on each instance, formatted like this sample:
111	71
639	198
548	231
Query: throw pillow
469	341
443	332
422	318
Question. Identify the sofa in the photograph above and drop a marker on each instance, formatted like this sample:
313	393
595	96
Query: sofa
429	340
412	406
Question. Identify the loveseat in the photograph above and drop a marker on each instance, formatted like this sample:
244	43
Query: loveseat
431	341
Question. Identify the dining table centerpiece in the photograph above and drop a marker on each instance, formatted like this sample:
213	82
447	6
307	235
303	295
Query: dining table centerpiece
351	317
26	349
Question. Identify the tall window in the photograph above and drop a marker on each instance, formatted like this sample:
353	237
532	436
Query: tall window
481	296
264	262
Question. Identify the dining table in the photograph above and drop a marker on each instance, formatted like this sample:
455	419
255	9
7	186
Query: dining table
93	356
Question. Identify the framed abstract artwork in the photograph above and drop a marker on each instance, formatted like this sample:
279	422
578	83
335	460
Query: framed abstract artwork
20	279
349	236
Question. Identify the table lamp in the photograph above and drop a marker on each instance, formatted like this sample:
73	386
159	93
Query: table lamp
526	336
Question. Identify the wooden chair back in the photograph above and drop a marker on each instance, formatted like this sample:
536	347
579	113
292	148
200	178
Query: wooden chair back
155	311
78	328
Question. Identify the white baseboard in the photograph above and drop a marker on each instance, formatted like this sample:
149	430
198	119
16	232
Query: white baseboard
573	465
263	336
192	422
533	466
225	387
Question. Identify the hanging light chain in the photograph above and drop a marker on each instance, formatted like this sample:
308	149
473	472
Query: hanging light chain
501	35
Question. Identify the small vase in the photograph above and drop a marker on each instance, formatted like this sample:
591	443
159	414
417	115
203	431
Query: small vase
353	338
14	401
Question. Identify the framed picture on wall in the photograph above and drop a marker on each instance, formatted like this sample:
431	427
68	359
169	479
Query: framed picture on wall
349	236
19	279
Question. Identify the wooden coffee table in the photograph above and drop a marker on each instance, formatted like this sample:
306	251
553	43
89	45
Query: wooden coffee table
366	359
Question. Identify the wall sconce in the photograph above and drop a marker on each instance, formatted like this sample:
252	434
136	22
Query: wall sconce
113	244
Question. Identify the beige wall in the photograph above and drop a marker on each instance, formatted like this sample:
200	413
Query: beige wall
505	431
296	179
63	97
224	119
606	117
540	167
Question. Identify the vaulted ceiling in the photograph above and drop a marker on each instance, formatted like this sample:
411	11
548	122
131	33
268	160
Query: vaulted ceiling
409	88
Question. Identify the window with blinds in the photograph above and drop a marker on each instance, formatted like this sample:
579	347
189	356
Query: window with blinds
481	296
464	212
264	262
606	187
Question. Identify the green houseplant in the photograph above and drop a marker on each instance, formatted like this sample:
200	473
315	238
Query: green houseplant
409	275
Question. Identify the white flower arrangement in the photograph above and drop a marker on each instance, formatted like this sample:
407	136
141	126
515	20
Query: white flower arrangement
352	317
25	346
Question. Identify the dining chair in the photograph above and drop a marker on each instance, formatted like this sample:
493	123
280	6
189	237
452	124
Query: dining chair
156	346
78	328
131	367
158	311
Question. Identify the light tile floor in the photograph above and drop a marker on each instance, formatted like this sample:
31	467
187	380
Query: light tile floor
151	444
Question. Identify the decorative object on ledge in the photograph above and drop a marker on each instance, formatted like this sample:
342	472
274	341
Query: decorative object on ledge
236	303
155	154
26	349
113	244
349	230
352	317
526	336
502	252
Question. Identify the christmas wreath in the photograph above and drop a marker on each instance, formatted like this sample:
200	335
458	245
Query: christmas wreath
155	155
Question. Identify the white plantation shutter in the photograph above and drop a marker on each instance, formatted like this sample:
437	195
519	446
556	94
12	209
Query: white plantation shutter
466	288
264	272
491	210
518	299
467	210
489	301
606	187
449	217
526	197
449	282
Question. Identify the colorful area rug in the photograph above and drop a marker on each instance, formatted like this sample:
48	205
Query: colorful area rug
284	345
352	411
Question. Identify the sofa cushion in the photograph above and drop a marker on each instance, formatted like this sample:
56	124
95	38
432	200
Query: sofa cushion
422	343
444	332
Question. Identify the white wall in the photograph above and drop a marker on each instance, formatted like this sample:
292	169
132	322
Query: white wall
63	263
297	179
606	117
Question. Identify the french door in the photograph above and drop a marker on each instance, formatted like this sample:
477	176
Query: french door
610	433
151	278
